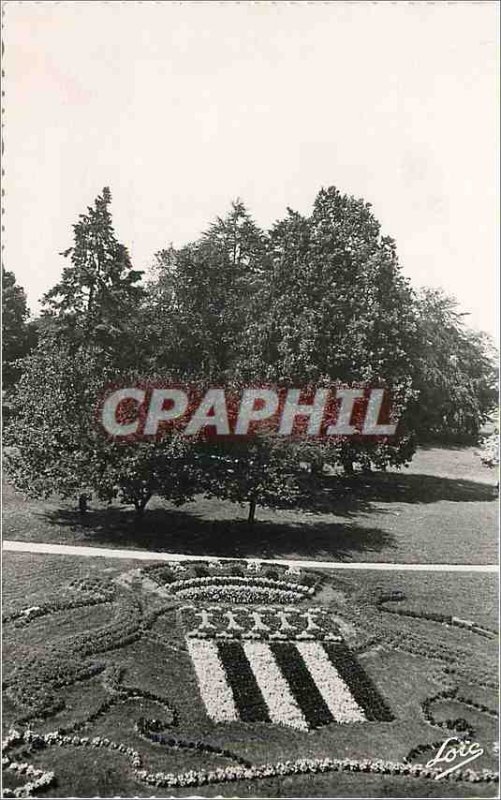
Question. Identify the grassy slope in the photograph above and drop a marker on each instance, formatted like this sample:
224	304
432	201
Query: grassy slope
442	509
162	666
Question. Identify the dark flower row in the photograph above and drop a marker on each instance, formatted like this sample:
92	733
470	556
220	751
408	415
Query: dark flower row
149	729
445	619
359	683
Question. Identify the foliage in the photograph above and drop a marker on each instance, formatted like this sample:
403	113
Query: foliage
263	471
17	331
87	338
454	371
489	452
337	308
98	295
317	299
56	445
204	298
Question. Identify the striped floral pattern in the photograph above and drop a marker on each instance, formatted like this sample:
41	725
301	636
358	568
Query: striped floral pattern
248	696
334	690
214	687
301	684
283	708
361	686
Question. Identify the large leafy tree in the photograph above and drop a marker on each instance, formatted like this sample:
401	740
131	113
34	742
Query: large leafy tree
98	296
338	305
56	444
203	301
454	371
263	471
17	332
88	337
337	308
319	298
209	297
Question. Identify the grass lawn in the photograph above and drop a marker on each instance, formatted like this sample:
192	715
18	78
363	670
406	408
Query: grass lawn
442	509
99	648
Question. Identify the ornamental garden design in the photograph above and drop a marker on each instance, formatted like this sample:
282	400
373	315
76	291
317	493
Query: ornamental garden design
197	674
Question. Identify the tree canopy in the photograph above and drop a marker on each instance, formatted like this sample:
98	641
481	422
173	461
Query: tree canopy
17	332
99	293
454	372
316	299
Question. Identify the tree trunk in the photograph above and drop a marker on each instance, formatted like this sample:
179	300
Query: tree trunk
317	467
348	466
139	508
140	504
252	511
82	504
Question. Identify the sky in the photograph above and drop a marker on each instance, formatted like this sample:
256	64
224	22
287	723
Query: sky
182	107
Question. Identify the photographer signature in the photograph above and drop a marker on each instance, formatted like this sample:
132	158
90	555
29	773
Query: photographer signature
453	749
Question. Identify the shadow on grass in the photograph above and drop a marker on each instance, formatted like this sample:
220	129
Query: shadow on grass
354	495
184	532
455	445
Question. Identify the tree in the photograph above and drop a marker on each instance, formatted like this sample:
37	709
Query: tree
206	294
454	372
337	308
56	444
263	471
338	305
88	338
17	333
318	299
98	296
93	308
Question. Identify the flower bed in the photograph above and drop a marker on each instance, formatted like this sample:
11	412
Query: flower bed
196	778
260	622
192	574
149	729
34	683
266	681
444	619
237	580
239	594
94	593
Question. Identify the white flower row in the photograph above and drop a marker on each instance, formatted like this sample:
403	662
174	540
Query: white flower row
238	594
214	688
282	707
333	689
260	636
243	580
303	766
264	636
40	778
234	773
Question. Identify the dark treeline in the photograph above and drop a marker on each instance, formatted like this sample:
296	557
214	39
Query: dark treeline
318	298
